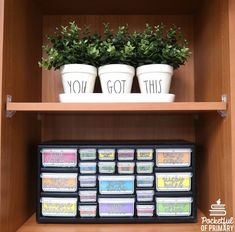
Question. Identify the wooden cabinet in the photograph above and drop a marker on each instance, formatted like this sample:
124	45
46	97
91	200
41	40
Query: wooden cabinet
195	116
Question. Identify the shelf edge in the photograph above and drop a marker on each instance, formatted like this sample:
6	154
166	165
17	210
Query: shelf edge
115	107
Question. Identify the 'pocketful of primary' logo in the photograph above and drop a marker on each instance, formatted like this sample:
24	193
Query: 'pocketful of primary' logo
218	209
217	221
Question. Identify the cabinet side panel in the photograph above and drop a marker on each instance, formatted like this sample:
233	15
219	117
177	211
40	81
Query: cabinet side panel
1	60
22	80
213	132
232	84
214	162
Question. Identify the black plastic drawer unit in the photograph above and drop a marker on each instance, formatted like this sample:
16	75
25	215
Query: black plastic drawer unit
116	182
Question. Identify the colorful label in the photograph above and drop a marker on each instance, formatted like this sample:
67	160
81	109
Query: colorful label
173	183
87	210
106	154
144	167
145	210
145	198
59	209
116	209
87	167
59	184
145	154
87	196
106	167
173	159
87	181
174	209
116	186
145	181
126	167
126	154
145	195
59	159
87	154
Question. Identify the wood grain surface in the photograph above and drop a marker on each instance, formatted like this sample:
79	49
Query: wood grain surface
1	105
32	226
212	79
21	78
232	88
118	7
171	107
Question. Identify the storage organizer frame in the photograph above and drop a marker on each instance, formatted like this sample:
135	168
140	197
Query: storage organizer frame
199	85
119	145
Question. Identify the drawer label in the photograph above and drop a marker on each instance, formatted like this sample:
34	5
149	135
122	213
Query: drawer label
107	169
87	210
106	155
173	183
145	154
116	186
59	159
55	209
87	154
174	207
60	209
144	167
88	169
119	207
173	159
59	184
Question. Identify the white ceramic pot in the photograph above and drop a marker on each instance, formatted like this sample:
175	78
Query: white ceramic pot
154	78
116	78
78	78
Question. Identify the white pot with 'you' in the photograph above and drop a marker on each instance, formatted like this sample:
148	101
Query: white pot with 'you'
154	78
78	78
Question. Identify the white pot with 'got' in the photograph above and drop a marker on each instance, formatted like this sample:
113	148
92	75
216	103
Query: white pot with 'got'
154	78
78	78
116	78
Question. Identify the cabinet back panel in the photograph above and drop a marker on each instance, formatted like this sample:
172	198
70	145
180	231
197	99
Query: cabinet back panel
117	127
183	80
118	7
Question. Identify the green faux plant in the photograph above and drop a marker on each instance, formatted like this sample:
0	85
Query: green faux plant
159	45
154	45
116	47
71	45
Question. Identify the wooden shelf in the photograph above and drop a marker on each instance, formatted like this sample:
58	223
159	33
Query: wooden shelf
32	226
117	107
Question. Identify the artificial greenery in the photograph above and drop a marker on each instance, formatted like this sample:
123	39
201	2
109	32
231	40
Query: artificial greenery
153	45
71	45
159	45
116	47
